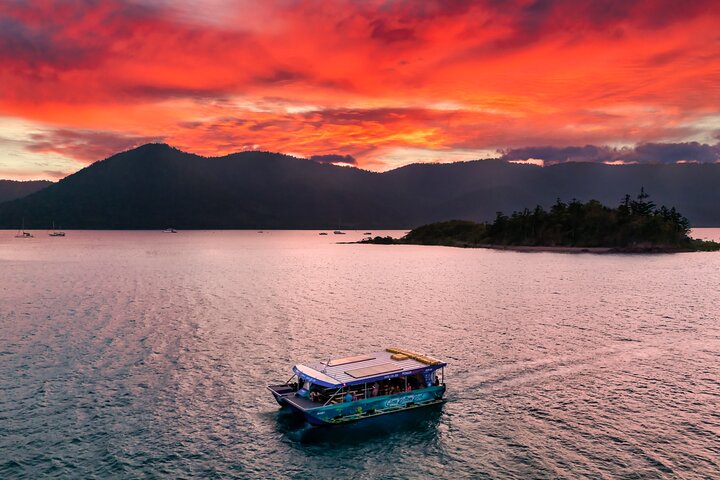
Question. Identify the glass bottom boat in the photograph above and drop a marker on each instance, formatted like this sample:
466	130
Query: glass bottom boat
344	390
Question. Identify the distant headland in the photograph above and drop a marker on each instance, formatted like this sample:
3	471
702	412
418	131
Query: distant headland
635	226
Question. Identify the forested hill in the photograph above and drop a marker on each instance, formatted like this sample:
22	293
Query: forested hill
636	225
11	189
155	186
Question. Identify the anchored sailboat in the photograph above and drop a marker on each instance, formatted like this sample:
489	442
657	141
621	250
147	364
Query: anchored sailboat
22	233
56	233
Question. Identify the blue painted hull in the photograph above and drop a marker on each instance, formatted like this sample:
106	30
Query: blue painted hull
372	407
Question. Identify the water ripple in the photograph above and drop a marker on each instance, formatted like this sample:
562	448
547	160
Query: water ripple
138	354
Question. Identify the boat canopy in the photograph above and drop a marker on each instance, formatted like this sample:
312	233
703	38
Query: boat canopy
371	367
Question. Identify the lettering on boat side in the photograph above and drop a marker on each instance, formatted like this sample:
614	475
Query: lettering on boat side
394	402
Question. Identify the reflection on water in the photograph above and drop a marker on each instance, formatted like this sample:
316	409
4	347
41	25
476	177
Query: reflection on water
419	425
138	354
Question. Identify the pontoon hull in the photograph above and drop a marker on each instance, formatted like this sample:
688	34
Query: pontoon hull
341	413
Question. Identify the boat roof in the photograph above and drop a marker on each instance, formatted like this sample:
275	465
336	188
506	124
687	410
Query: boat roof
370	367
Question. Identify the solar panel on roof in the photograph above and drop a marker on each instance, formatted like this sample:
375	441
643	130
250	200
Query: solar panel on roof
342	361
374	370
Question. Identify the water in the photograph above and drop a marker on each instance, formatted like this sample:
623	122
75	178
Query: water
145	355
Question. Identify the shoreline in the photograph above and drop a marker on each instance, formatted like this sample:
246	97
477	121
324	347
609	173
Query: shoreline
541	249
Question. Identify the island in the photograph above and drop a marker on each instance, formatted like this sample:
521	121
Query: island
635	226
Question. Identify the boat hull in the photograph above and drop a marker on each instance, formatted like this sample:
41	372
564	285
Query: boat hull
343	413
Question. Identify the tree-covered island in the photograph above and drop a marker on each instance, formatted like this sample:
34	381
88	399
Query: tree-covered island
636	225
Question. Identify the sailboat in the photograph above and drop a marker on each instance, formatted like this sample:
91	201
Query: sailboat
22	233
56	233
338	231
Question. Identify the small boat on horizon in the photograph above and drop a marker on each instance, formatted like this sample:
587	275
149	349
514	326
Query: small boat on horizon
344	390
55	233
367	233
169	230
339	232
22	233
322	233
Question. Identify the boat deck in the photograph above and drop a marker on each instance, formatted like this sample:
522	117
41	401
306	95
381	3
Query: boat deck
302	403
365	368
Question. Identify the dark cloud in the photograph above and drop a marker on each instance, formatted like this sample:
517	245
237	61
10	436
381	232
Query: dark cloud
334	158
26	47
530	22
84	145
282	76
209	93
35	35
380	31
643	153
675	152
409	11
553	155
378	115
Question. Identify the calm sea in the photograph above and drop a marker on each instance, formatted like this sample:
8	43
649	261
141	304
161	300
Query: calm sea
146	355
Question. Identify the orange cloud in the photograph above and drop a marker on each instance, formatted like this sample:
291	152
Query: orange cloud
358	78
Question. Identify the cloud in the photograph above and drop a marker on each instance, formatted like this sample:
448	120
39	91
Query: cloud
553	155
377	80
380	31
58	35
334	158
86	146
686	152
675	152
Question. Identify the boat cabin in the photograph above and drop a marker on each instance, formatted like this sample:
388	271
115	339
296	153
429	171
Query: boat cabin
362	385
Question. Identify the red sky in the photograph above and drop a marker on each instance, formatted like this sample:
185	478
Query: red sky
387	82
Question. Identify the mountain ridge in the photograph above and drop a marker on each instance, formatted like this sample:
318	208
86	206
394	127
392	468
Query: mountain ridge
14	189
156	185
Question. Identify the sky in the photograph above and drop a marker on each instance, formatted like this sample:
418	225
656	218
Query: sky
375	84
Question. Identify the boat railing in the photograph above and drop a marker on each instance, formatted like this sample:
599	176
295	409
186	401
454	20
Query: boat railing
332	396
337	396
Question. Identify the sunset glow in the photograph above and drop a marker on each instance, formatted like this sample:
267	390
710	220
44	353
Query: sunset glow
386	83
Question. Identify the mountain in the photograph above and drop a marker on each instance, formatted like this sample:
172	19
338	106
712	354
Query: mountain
155	186
10	189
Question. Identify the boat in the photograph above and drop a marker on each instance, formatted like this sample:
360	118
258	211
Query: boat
22	233
339	232
169	230
322	233
348	389
367	233
56	233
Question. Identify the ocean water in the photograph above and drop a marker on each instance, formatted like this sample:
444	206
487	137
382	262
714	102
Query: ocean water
146	355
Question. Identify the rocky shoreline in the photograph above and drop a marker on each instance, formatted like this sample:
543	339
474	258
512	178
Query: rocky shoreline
639	249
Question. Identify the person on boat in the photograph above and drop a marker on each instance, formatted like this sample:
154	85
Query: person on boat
437	380
408	387
375	389
304	392
348	397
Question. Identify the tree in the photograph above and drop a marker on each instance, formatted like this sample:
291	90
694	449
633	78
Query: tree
642	206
